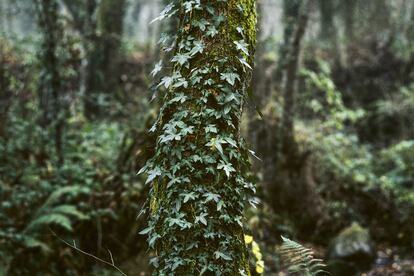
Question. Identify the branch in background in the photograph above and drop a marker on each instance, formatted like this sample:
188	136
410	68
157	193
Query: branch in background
74	246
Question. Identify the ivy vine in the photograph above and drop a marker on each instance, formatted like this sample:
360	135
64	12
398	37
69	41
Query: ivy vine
198	175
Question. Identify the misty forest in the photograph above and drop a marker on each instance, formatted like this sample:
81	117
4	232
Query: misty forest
206	137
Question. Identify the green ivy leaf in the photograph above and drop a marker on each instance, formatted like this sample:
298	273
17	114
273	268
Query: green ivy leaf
227	167
220	255
181	58
157	68
242	45
230	77
152	174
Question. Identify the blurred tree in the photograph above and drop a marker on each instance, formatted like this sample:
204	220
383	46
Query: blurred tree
50	79
101	26
290	15
287	172
348	9
327	12
289	86
200	165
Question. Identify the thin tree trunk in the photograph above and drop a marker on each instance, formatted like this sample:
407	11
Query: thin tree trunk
288	143
290	15
349	8
50	81
198	171
102	31
292	172
327	11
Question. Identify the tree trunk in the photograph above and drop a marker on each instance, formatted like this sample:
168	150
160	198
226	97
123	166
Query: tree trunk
198	173
50	81
103	46
110	25
290	15
349	8
288	143
327	11
291	174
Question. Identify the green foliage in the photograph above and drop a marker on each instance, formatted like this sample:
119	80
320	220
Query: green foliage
329	105
198	175
300	259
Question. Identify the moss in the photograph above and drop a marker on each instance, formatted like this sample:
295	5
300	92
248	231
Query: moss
246	19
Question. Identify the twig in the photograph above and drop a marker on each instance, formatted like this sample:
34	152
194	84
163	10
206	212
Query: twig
112	263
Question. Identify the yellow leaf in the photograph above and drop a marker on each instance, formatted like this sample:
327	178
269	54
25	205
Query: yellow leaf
260	267
248	239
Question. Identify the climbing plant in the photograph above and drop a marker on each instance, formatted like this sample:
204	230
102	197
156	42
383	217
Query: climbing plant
198	175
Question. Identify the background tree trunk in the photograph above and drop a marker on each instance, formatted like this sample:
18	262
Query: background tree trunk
50	80
103	51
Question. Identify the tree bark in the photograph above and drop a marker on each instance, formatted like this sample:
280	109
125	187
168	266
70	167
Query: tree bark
198	171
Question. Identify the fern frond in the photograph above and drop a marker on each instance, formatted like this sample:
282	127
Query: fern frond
50	219
68	190
30	242
69	210
300	259
53	213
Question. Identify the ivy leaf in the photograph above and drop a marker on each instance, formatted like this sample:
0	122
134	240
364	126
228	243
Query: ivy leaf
231	141
201	24
166	81
218	255
198	48
143	169
215	143
230	77
242	45
189	196
211	129
180	82
245	63
179	98
227	167
153	174
152	240
254	154
166	12
201	218
220	205
211	196
157	68
212	31
146	231
181	58
209	82
196	79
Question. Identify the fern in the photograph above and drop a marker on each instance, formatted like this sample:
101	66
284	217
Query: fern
300	259
51	213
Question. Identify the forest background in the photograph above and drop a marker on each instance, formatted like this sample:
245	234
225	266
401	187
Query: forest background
335	153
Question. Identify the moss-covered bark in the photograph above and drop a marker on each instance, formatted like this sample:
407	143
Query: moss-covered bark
199	187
